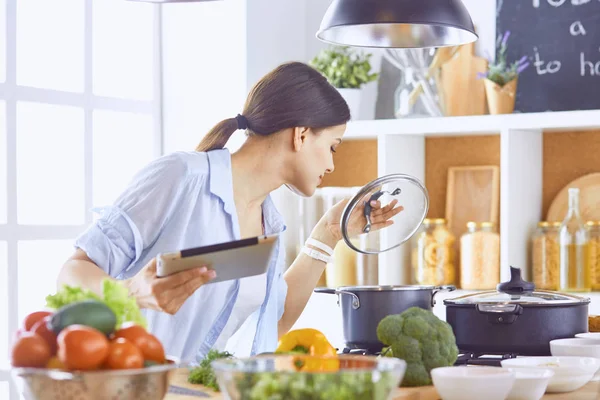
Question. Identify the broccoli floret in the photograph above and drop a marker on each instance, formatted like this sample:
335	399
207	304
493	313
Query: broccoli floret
422	340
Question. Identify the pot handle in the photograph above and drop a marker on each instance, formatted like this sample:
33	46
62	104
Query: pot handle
438	289
501	313
355	300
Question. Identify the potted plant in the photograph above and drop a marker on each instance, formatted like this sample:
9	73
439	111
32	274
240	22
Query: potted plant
348	71
501	79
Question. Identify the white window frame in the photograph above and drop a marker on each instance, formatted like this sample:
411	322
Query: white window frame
10	92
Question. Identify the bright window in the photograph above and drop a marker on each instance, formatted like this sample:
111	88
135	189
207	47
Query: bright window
79	115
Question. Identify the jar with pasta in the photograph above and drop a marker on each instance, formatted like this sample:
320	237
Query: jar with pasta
480	257
435	254
594	253
545	256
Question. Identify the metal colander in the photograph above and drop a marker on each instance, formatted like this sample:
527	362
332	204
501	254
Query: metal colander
150	383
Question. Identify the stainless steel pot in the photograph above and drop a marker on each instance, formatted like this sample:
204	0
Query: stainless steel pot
515	318
364	306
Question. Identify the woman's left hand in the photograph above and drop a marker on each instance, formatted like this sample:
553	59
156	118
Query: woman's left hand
328	229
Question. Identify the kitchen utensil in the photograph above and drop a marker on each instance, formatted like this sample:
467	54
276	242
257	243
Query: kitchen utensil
364	306
589	199
515	318
357	376
570	373
462	90
151	383
468	383
530	383
410	193
473	194
580	347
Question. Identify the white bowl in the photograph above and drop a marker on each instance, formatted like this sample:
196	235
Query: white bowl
570	373
589	335
469	382
575	347
530	383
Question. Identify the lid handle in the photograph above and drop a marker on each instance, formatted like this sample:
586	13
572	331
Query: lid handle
516	285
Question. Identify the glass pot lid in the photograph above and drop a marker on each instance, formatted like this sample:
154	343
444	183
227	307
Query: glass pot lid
518	291
361	224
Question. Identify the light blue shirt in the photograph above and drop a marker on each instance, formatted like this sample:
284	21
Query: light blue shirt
178	201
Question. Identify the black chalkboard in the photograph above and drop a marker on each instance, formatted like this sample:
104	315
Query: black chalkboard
562	41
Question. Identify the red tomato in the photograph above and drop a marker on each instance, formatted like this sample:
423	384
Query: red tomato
82	348
34	317
122	354
151	347
30	350
41	328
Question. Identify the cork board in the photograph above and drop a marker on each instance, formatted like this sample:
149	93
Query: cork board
355	164
442	153
567	156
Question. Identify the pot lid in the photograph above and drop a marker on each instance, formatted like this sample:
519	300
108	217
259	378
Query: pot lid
518	291
364	235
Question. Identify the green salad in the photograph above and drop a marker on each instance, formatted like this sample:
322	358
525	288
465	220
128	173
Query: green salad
305	386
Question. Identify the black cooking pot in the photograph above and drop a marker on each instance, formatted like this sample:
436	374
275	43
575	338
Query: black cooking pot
364	306
515	318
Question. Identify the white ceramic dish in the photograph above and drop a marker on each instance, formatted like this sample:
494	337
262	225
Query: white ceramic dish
578	347
530	383
570	373
589	335
469	382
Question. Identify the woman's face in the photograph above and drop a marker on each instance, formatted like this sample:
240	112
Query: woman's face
313	157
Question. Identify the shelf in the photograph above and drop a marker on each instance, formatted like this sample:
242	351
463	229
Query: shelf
475	125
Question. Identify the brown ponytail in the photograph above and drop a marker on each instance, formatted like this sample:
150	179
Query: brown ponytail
292	95
218	136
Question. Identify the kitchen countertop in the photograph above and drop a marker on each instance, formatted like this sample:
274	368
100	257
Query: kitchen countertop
588	392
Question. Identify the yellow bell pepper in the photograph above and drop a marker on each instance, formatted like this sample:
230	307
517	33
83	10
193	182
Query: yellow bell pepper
312	343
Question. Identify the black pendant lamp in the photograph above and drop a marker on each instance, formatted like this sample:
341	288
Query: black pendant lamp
397	23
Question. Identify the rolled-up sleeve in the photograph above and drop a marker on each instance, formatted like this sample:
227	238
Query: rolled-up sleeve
116	240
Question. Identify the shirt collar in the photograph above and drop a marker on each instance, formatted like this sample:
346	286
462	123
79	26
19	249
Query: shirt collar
221	185
220	181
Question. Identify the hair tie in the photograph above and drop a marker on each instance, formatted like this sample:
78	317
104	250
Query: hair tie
242	122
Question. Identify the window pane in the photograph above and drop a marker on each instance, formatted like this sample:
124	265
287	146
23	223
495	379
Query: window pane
3	41
3	306
50	167
123	143
50	38
123	56
3	156
4	390
43	260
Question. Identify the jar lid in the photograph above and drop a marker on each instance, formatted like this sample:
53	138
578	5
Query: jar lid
364	236
520	292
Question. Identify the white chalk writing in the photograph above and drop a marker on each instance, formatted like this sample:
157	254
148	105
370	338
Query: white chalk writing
542	67
558	3
577	29
594	69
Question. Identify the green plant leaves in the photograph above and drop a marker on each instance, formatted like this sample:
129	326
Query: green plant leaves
343	67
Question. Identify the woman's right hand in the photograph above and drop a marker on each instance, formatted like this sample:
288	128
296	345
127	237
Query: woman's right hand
166	294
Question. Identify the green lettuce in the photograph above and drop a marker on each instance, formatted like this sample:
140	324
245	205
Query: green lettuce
114	295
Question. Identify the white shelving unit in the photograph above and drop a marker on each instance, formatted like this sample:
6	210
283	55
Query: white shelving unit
401	148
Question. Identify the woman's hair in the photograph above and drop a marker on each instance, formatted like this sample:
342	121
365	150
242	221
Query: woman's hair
293	94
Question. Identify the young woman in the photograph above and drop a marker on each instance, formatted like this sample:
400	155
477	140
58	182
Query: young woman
294	120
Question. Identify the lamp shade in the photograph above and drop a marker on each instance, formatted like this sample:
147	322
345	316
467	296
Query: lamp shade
397	23
170	1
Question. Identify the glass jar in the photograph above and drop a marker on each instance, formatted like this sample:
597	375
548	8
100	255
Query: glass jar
435	254
594	253
545	256
480	256
574	249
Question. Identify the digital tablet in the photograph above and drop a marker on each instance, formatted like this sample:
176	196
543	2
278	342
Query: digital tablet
230	260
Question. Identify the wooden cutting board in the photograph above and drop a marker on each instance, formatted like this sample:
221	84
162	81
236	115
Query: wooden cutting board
589	199
473	194
462	92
